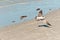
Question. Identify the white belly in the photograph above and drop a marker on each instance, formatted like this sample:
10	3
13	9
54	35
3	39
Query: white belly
40	18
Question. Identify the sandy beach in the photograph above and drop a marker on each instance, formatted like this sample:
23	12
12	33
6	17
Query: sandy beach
30	30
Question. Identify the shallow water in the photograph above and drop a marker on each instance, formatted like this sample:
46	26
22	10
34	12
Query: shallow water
13	13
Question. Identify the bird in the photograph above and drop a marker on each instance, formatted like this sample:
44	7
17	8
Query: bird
22	17
40	17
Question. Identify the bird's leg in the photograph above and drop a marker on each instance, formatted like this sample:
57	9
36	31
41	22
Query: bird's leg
48	23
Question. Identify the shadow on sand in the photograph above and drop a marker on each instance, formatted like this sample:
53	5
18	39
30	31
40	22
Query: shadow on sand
43	26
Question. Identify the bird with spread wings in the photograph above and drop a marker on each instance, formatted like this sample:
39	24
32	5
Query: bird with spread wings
40	17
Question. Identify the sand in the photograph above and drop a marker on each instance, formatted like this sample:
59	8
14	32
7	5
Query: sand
30	30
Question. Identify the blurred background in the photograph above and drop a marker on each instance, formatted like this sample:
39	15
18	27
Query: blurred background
9	2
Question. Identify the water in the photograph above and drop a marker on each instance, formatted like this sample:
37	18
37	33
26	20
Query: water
13	13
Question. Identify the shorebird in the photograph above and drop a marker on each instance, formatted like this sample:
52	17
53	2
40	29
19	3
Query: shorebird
40	17
23	17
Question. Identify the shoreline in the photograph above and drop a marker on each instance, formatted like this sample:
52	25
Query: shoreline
30	30
7	26
28	20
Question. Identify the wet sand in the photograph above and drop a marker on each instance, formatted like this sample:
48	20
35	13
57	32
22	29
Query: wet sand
30	30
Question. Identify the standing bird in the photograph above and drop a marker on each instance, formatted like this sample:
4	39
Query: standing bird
40	17
23	17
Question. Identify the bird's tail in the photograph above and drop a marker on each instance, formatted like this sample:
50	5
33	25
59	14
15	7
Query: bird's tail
48	23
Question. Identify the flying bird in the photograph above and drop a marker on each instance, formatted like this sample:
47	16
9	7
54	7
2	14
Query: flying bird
22	17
